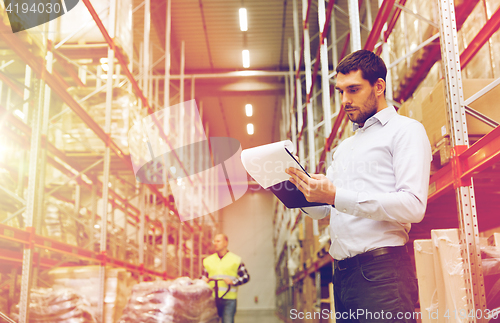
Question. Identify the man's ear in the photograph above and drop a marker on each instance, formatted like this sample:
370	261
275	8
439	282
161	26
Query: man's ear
380	87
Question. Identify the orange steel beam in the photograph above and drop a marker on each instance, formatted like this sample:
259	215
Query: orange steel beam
27	237
378	25
390	25
481	38
380	20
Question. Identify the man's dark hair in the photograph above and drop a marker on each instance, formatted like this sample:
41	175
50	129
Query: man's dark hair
372	67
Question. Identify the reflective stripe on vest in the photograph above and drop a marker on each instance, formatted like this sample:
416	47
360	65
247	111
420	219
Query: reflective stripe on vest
227	267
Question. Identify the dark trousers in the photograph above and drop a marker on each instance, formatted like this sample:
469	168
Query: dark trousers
226	308
381	290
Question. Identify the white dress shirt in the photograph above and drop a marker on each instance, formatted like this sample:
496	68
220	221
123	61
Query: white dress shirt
382	179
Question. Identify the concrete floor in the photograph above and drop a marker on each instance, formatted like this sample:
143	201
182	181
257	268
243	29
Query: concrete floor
256	316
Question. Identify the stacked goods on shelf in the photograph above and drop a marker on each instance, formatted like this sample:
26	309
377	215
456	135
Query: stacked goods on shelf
180	300
491	7
9	204
322	240
295	261
78	137
85	281
435	120
79	16
316	240
483	64
57	305
306	228
59	224
412	108
416	32
281	228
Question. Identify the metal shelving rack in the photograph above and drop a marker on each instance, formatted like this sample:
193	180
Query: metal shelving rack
147	211
482	156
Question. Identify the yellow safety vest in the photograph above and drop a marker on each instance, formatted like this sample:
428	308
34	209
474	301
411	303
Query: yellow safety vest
227	267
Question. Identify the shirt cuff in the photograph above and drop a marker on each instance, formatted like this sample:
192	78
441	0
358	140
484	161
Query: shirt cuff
235	282
317	212
346	201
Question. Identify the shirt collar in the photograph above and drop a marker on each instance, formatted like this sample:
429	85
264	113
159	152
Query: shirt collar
382	116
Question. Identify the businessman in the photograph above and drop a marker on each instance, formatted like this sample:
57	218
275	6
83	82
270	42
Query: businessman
376	187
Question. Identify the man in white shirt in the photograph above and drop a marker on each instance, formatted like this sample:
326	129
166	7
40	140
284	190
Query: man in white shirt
377	186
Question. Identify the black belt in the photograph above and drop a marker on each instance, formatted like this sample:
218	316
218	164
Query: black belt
362	258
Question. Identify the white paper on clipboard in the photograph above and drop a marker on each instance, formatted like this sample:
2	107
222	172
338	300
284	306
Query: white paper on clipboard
267	163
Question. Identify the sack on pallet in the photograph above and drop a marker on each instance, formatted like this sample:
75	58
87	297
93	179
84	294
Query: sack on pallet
57	305
182	300
85	280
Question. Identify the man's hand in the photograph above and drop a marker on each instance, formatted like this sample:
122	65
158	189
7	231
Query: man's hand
205	279
316	188
228	281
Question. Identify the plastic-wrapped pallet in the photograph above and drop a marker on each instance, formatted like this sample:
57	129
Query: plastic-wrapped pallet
57	306
85	280
182	300
450	280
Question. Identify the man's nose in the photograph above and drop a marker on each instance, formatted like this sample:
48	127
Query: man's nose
345	99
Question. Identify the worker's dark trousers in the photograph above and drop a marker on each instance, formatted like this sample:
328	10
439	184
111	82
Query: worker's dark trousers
382	290
226	309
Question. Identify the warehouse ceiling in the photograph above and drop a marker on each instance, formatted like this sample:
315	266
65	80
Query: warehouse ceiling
213	44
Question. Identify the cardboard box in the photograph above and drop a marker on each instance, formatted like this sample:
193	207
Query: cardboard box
434	109
427	294
415	106
494	239
403	109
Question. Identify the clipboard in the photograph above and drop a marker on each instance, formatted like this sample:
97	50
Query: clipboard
278	153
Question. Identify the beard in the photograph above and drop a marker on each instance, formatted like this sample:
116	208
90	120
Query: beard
369	109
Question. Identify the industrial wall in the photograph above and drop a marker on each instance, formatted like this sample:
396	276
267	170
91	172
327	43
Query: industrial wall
248	224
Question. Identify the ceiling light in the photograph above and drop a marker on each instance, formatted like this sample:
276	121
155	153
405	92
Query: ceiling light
249	110
250	128
246	58
243	19
19	113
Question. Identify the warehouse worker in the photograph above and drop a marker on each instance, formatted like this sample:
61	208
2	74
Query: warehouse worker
375	187
231	272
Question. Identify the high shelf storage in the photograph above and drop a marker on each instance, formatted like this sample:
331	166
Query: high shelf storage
69	94
406	34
